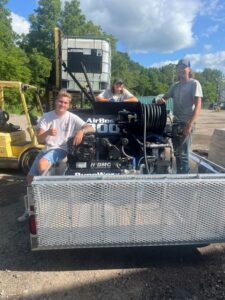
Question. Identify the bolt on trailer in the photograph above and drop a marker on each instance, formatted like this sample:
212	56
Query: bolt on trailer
118	187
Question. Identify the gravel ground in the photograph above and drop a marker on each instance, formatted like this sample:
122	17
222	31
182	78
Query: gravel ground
209	120
137	273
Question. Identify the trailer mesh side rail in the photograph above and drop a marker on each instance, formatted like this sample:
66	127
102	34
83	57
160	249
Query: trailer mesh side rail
128	210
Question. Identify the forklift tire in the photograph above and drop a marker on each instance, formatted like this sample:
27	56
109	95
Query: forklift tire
27	159
4	117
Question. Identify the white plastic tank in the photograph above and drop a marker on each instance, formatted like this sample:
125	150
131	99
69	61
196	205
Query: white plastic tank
95	53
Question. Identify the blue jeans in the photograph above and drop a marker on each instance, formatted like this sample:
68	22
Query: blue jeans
181	147
53	156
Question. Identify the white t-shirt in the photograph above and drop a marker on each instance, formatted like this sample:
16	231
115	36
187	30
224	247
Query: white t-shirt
108	93
66	126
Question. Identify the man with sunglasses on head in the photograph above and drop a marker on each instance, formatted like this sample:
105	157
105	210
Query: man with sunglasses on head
187	100
55	128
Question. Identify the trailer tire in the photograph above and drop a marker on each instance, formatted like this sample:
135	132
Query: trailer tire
27	159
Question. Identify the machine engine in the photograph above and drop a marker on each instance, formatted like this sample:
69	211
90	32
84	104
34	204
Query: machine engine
129	139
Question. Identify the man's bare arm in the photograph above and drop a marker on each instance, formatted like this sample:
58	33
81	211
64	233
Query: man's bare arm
131	99
195	115
197	110
86	128
101	99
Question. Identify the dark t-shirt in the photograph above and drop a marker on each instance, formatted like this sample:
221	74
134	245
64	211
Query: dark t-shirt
184	95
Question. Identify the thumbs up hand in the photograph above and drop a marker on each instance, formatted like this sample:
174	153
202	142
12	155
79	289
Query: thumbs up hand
52	131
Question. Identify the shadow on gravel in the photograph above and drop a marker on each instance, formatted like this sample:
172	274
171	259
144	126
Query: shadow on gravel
141	285
98	259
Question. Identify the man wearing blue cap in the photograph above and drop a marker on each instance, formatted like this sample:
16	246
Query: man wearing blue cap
187	99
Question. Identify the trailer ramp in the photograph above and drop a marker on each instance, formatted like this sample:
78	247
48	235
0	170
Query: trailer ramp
125	211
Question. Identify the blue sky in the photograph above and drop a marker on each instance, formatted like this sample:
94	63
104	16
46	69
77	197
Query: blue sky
156	32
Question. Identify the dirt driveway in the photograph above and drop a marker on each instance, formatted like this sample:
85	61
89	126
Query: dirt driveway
208	121
137	273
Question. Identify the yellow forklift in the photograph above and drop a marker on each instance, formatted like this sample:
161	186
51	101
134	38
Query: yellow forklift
17	151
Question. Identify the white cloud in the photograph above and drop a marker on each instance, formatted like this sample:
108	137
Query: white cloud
210	7
210	60
200	61
19	24
210	30
144	26
195	59
214	9
207	47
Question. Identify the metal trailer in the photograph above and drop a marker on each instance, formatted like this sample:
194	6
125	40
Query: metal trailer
127	210
95	211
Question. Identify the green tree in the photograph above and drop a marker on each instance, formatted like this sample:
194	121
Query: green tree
6	32
210	80
14	65
168	74
40	67
144	87
43	21
134	75
72	19
13	60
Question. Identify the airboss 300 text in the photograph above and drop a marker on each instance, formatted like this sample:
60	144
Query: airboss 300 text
104	125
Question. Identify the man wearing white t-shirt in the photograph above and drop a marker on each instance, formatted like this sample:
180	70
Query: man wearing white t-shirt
54	130
117	93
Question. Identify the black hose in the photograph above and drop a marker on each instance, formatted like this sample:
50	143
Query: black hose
144	140
155	117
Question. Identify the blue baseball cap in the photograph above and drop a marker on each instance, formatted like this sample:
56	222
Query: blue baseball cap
184	62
